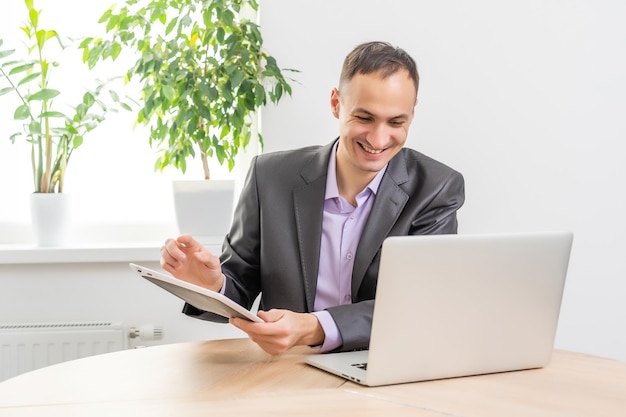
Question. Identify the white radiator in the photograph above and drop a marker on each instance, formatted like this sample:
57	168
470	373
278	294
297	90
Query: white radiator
26	347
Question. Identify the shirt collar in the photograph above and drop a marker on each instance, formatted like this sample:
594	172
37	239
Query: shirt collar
332	191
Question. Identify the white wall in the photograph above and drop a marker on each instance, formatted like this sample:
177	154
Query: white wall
526	99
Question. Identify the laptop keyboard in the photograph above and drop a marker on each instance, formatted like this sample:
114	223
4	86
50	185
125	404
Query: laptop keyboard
361	365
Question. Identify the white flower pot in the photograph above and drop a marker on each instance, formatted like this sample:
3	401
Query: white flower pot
204	208
50	215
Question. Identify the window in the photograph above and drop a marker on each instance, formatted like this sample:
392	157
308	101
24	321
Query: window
111	176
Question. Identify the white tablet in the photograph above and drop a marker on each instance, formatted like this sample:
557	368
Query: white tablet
195	295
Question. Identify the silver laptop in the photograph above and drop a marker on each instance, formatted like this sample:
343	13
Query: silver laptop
459	305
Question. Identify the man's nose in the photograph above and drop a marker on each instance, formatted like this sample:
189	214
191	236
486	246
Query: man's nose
379	136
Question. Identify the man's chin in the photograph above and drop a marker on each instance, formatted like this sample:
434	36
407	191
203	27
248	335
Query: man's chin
372	166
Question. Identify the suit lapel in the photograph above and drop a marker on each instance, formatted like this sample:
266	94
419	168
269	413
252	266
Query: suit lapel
309	212
390	200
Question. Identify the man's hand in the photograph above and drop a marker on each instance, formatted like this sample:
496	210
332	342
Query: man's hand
282	330
187	259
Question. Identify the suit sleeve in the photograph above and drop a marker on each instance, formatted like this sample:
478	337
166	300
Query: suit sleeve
440	215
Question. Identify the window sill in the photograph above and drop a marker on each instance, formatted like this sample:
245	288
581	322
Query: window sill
97	253
28	254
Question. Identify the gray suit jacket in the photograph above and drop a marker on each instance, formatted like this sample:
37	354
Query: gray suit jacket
274	242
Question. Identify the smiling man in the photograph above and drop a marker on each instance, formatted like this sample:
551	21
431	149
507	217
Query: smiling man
310	223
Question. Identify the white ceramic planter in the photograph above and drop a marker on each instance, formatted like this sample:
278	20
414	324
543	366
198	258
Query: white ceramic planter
50	215
204	208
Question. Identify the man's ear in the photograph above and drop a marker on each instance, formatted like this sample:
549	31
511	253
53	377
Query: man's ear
413	110
334	102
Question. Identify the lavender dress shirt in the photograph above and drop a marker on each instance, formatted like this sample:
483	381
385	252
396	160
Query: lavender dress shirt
341	230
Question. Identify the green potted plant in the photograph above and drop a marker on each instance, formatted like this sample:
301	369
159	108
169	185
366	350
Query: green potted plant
53	130
203	75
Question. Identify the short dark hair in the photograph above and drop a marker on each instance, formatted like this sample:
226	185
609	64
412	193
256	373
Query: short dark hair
381	57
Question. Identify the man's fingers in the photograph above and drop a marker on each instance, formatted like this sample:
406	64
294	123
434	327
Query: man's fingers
174	253
263	334
242	324
168	258
186	241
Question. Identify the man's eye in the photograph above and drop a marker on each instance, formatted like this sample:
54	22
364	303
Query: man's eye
362	118
396	123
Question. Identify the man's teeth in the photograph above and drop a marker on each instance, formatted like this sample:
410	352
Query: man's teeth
370	150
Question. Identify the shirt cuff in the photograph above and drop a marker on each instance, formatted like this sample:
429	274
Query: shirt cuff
332	337
223	289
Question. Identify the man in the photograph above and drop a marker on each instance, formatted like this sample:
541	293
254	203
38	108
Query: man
309	225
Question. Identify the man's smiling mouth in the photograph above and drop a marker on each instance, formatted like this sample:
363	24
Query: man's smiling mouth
370	150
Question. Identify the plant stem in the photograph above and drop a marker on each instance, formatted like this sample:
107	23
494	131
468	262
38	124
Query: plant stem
205	166
45	179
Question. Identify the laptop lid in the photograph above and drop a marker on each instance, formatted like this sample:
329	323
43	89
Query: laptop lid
458	305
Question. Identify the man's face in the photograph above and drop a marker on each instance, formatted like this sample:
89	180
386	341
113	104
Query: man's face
374	116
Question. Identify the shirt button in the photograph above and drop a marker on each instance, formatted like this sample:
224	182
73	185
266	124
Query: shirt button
347	298
349	255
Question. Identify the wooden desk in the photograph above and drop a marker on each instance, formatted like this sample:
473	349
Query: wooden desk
235	377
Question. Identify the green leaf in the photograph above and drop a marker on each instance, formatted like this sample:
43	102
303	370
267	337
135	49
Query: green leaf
14	136
168	92
203	87
212	94
186	21
219	152
88	99
41	36
33	14
85	43
227	93
34	128
225	131
5	90
204	112
81	111
171	25
78	140
50	114
6	53
22	112
228	17
162	18
236	78
29	78
44	94
53	34
259	96
278	92
114	96
115	50
21	68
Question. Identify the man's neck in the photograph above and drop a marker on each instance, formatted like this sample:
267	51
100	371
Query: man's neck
351	182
